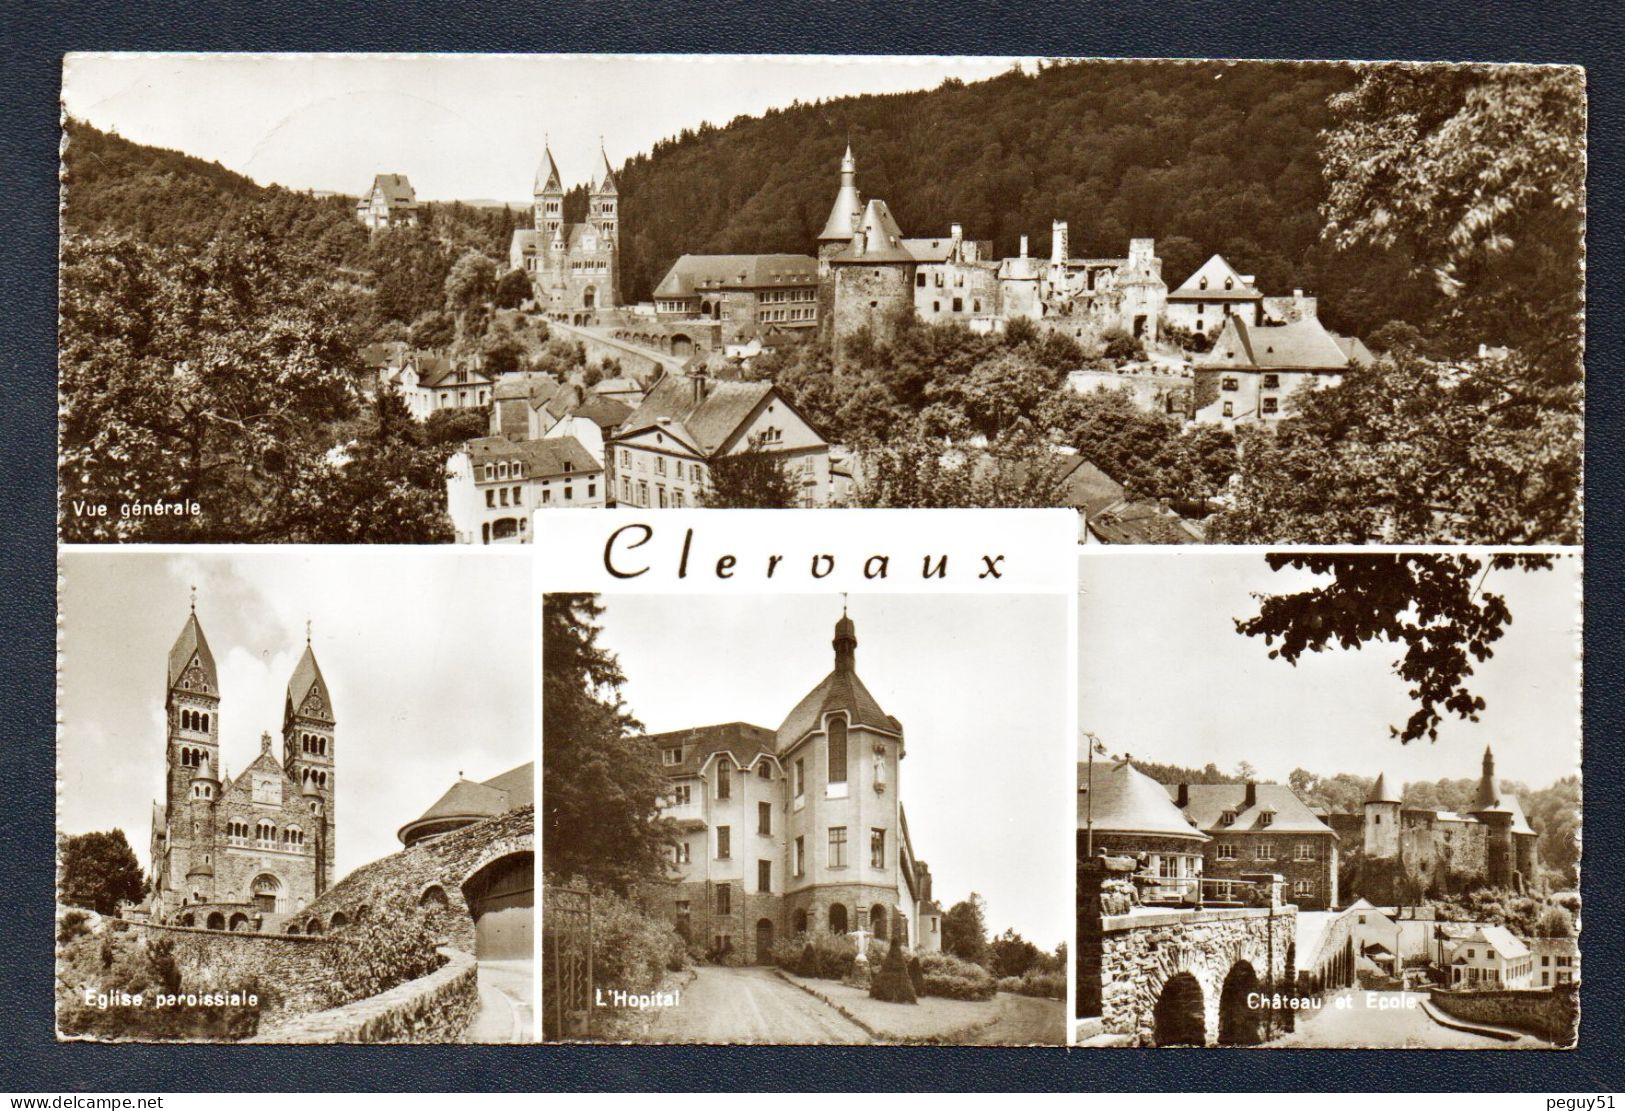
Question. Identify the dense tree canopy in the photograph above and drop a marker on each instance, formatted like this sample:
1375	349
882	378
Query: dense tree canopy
99	870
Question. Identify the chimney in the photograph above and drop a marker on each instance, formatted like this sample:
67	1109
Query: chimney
1024	246
1058	244
956	232
1252	794
702	383
857	242
1184	798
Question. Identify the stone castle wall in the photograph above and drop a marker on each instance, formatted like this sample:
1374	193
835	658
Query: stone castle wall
293	974
435	1008
870	296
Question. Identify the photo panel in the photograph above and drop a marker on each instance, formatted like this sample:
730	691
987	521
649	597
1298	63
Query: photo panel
1329	800
296	796
805	777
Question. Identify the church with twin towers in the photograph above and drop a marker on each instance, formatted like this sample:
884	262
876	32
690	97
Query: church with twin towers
243	852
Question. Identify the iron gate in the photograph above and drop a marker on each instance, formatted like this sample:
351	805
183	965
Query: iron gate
567	984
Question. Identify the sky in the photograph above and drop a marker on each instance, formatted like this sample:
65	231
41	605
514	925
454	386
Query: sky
1165	676
427	655
468	127
979	682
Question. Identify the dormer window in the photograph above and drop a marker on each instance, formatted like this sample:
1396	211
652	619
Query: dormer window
672	756
1230	283
1228	818
1202	284
1265	817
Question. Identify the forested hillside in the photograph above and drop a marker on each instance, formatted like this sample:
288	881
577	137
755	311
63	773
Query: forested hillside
1203	157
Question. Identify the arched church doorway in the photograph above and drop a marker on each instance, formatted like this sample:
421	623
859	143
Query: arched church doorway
1178	1016
215	921
501	898
265	888
589	297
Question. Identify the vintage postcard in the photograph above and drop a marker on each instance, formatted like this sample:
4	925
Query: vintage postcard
780	816
413	298
1329	800
292	806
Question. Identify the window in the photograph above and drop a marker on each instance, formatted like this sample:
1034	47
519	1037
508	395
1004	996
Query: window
764	818
1264	850
1304	889
1229	409
626	458
672	755
764	876
724	780
724	843
725	898
1265	817
503	495
801	856
837	847
1226	851
490	499
801	776
959	304
660	464
1304	851
877	848
1231	382
1228	818
764	770
919	279
1272	381
682	796
592	490
681	853
677	499
660	493
1272	405
626	488
643	493
837	750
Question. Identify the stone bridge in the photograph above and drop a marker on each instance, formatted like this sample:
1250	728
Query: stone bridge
1154	976
637	361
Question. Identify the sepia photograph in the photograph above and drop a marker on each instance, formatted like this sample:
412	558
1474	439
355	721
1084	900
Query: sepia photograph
806	819
293	805
410	299
1329	800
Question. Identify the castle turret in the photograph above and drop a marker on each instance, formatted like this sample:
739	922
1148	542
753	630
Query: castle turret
1382	807
1490	809
840	231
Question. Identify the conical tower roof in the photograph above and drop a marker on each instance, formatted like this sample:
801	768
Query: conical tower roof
1488	798
604	180
1126	800
192	646
547	174
845	214
307	681
1380	791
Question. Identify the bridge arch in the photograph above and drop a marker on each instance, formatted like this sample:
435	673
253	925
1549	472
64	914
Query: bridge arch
1180	1016
1240	1022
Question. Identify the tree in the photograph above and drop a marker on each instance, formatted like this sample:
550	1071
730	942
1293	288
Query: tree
471	282
99	871
601	811
1409	450
1432	604
751	479
512	290
500	352
435	331
964	929
892	983
1010	954
455	426
207	377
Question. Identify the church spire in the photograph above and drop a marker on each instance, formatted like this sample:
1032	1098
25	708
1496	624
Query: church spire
845	643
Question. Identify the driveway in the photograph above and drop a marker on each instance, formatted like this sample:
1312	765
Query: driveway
507	1002
753	1006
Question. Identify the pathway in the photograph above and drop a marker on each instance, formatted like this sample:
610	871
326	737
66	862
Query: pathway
1358	1024
507	1002
751	1006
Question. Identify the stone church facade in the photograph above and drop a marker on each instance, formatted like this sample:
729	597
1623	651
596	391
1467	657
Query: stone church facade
794	830
574	269
241	853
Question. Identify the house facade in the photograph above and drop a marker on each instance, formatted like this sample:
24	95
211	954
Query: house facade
745	294
494	483
800	829
390	203
1253	369
1263	828
1490	958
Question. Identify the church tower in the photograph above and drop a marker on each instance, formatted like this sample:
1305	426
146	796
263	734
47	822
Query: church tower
192	746
549	197
604	220
308	729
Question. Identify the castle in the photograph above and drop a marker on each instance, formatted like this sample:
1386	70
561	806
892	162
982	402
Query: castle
243	853
574	269
1407	852
870	273
794	830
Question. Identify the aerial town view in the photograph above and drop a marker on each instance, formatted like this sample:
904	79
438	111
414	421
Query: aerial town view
1171	296
1283	868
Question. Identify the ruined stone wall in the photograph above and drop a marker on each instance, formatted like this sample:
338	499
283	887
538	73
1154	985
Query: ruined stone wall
435	1008
1553	1015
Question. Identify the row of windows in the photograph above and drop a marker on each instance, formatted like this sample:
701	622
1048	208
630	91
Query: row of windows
265	834
195	720
1265	850
589	263
919	279
959	305
313	743
786	316
1269	406
194	757
674	499
513	469
695	472
783	296
1231	382
313	775
506	528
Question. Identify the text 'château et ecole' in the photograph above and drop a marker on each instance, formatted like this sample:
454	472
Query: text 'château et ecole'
623	561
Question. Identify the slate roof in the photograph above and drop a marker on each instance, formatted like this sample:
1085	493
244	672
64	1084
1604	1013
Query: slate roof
1191	290
307	674
1126	800
690	273
397	190
883	239
741	740
1141	522
1520	822
1209	801
1379	791
547	174
841	689
604	181
1085	486
535	388
1504	940
848	205
710	421
607	413
474	802
1301	345
544	458
190	641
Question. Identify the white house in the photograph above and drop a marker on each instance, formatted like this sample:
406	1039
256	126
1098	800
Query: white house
1489	958
1211	296
494	483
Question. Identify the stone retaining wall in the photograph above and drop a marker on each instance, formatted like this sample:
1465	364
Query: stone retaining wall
435	1008
1552	1014
291	974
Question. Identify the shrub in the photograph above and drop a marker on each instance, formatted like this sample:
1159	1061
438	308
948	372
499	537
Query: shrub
1040	985
891	983
1121	347
951	978
916	977
75	924
390	945
631	951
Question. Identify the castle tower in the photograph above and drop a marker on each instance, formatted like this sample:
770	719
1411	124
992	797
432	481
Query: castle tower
192	719
845	216
549	195
1382	820
1490	809
308	729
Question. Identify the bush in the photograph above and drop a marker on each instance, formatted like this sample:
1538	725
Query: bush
74	924
631	951
1040	985
891	983
823	955
951	978
1122	347
916	977
391	945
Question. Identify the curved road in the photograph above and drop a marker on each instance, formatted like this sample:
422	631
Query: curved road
752	1006
507	994
1394	1026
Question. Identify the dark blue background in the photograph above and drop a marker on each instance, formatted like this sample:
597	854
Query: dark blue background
36	38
